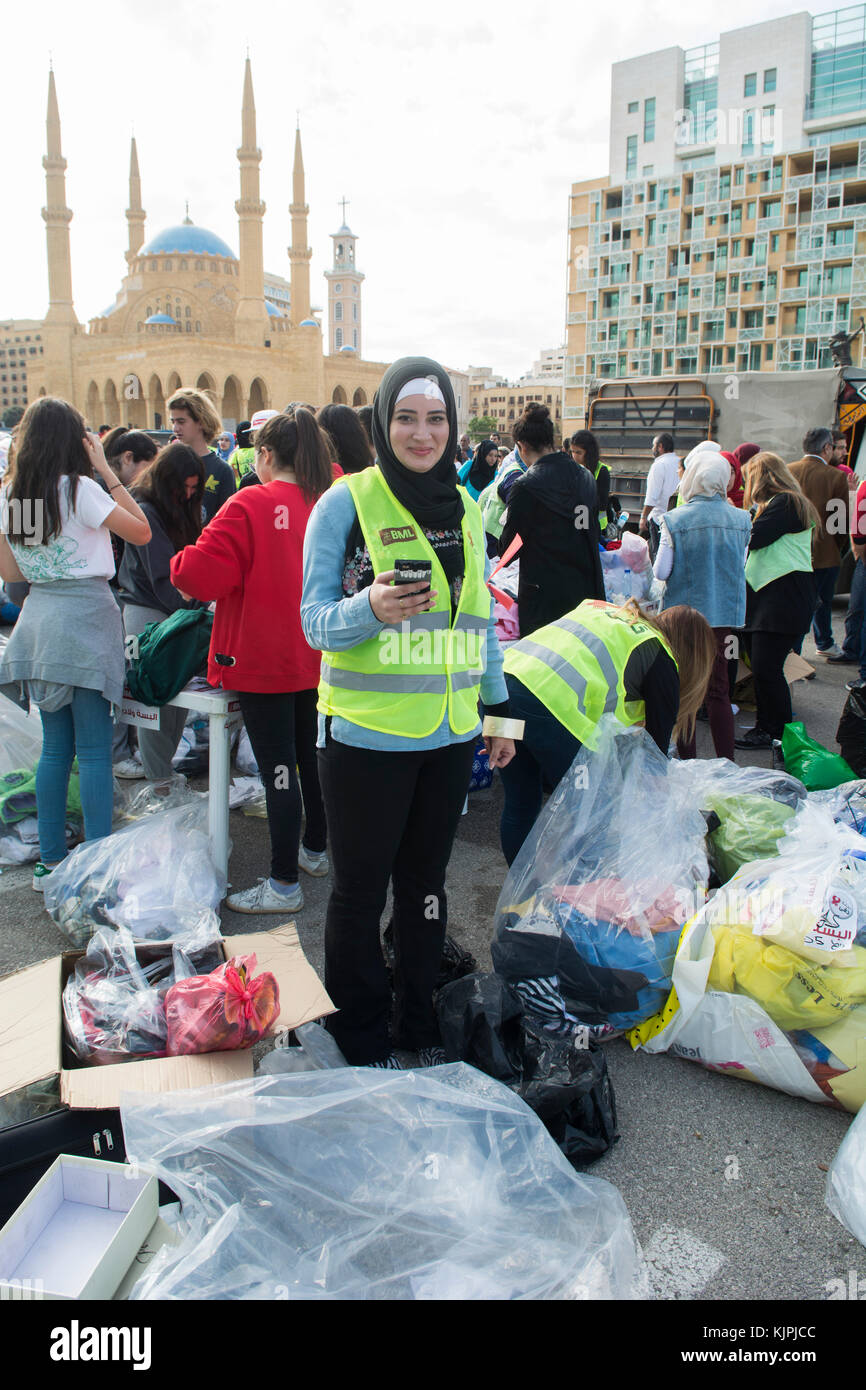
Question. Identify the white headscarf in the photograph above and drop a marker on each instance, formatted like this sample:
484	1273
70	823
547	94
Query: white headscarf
706	446
707	475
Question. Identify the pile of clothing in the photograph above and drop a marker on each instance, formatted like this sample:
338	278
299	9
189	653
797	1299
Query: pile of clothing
589	916
770	977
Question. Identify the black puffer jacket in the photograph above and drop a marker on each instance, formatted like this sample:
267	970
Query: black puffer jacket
553	507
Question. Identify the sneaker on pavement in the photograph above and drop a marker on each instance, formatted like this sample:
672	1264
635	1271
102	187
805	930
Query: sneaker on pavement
843	659
833	653
855	685
311	863
391	1063
40	873
129	770
264	898
754	738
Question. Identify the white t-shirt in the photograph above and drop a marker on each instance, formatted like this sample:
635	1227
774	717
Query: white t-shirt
662	482
83	548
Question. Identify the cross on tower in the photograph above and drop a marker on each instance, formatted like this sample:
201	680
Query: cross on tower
344	202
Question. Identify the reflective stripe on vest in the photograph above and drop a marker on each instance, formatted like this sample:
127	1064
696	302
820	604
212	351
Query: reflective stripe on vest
405	680
576	666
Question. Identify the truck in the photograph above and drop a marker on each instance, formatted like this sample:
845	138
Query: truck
773	409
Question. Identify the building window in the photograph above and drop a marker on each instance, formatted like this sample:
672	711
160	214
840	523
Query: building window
166	265
769	79
633	107
338	289
649	120
738	175
338	338
774	241
647	170
631	157
354	337
338	312
355	313
750	85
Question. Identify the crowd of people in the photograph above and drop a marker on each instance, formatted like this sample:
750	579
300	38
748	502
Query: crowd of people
346	556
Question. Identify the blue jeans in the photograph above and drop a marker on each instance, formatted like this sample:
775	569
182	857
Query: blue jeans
83	728
822	627
855	619
544	754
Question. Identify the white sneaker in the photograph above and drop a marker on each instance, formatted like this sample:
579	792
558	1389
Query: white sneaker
315	864
129	770
262	898
828	651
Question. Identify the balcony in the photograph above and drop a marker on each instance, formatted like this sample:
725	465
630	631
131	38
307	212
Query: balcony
751	335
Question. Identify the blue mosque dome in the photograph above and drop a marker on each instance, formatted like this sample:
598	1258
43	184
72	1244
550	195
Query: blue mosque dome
187	240
161	318
272	309
347	348
308	323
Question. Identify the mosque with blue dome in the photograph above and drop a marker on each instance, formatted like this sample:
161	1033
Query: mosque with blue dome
191	312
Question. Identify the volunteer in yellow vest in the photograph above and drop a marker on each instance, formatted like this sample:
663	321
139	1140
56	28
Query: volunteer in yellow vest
583	448
780	588
403	667
596	660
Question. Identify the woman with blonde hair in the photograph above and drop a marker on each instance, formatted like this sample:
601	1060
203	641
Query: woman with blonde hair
597	659
780	588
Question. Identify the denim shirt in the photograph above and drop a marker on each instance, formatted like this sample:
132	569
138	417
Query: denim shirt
709	538
333	622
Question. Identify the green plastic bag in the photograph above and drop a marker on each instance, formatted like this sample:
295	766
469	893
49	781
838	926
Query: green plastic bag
750	829
817	768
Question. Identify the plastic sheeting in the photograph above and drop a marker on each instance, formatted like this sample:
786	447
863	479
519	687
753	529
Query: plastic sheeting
846	1181
612	869
360	1184
20	737
155	877
769	982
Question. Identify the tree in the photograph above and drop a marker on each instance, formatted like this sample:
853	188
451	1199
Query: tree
481	425
11	416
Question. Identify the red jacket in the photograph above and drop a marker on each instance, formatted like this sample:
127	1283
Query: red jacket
250	559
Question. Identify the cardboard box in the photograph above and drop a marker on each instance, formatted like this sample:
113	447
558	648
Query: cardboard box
78	1230
31	1037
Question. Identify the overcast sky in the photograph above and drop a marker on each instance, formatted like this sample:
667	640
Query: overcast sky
454	129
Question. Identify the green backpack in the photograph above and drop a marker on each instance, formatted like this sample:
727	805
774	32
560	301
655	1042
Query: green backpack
169	654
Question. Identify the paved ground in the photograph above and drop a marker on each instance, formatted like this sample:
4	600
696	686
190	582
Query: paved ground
724	1181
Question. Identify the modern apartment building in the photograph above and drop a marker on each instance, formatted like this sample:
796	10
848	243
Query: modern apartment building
730	234
20	343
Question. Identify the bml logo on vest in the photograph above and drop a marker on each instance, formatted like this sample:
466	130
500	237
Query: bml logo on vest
465	648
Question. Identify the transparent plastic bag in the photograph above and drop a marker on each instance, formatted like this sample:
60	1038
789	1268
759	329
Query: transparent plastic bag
845	1193
613	868
770	976
20	737
229	1008
753	805
845	803
316	1051
155	877
112	1009
140	799
361	1184
245	758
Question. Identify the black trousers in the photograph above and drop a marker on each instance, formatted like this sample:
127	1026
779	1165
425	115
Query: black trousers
391	817
772	694
282	730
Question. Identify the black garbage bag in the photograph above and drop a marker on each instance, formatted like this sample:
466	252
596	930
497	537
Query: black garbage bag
564	1080
454	963
851	733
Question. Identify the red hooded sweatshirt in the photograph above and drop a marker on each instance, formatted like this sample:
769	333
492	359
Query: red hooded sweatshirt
250	559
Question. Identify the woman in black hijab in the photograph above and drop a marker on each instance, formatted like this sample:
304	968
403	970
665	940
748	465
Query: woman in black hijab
480	471
395	742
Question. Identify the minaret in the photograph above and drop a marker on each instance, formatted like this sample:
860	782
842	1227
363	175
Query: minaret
57	217
135	212
344	292
300	253
252	316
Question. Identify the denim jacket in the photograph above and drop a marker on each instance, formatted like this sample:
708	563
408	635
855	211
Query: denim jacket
709	538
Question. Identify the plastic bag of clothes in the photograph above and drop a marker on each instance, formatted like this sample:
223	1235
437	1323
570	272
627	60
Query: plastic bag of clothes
228	1009
563	1079
846	1181
20	737
594	903
114	1006
155	877
817	768
752	805
846	804
769	983
359	1184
